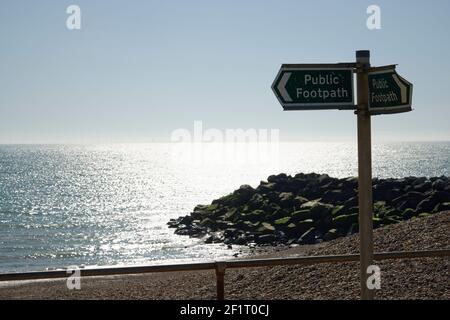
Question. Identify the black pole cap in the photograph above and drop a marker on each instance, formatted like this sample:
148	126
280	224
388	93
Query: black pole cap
363	53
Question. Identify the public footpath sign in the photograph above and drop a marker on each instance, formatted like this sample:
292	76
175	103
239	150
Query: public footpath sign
330	86
314	88
388	92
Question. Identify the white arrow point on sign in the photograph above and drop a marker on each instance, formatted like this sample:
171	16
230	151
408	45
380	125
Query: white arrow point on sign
403	88
282	87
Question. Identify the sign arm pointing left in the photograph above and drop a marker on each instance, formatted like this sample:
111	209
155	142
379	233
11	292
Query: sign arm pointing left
282	87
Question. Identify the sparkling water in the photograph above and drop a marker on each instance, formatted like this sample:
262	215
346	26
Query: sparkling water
64	205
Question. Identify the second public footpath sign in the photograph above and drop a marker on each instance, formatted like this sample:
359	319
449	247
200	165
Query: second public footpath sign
314	88
388	92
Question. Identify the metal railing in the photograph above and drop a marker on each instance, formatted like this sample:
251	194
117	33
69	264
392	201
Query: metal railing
221	266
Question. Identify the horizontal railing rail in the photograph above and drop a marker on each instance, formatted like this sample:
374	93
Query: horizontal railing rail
221	266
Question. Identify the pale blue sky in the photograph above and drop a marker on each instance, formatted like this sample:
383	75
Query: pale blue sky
137	70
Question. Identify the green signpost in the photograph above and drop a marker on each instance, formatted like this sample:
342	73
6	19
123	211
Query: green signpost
330	86
388	92
313	88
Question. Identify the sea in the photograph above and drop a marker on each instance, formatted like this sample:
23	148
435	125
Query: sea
109	204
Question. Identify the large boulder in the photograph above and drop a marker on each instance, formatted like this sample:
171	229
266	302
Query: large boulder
301	215
231	214
382	194
282	177
324	223
427	204
442	207
282	221
321	210
298	183
242	239
255	215
331	234
391	220
286	199
447	188
337	210
418	181
436	197
202	211
423	187
213	239
442	196
311	191
324	179
266	228
354	228
346	219
185	220
266	187
292	231
337	196
299	201
350	203
350	182
244	193
392	213
305	225
408	200
231	199
231	232
183	230
249	225
277	214
408	214
266	239
272	196
256	202
207	222
270	207
308	237
377	222
439	184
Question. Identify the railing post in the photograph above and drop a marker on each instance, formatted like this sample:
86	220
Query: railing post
220	279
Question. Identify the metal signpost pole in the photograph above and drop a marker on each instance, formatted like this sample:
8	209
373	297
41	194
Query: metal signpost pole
364	172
